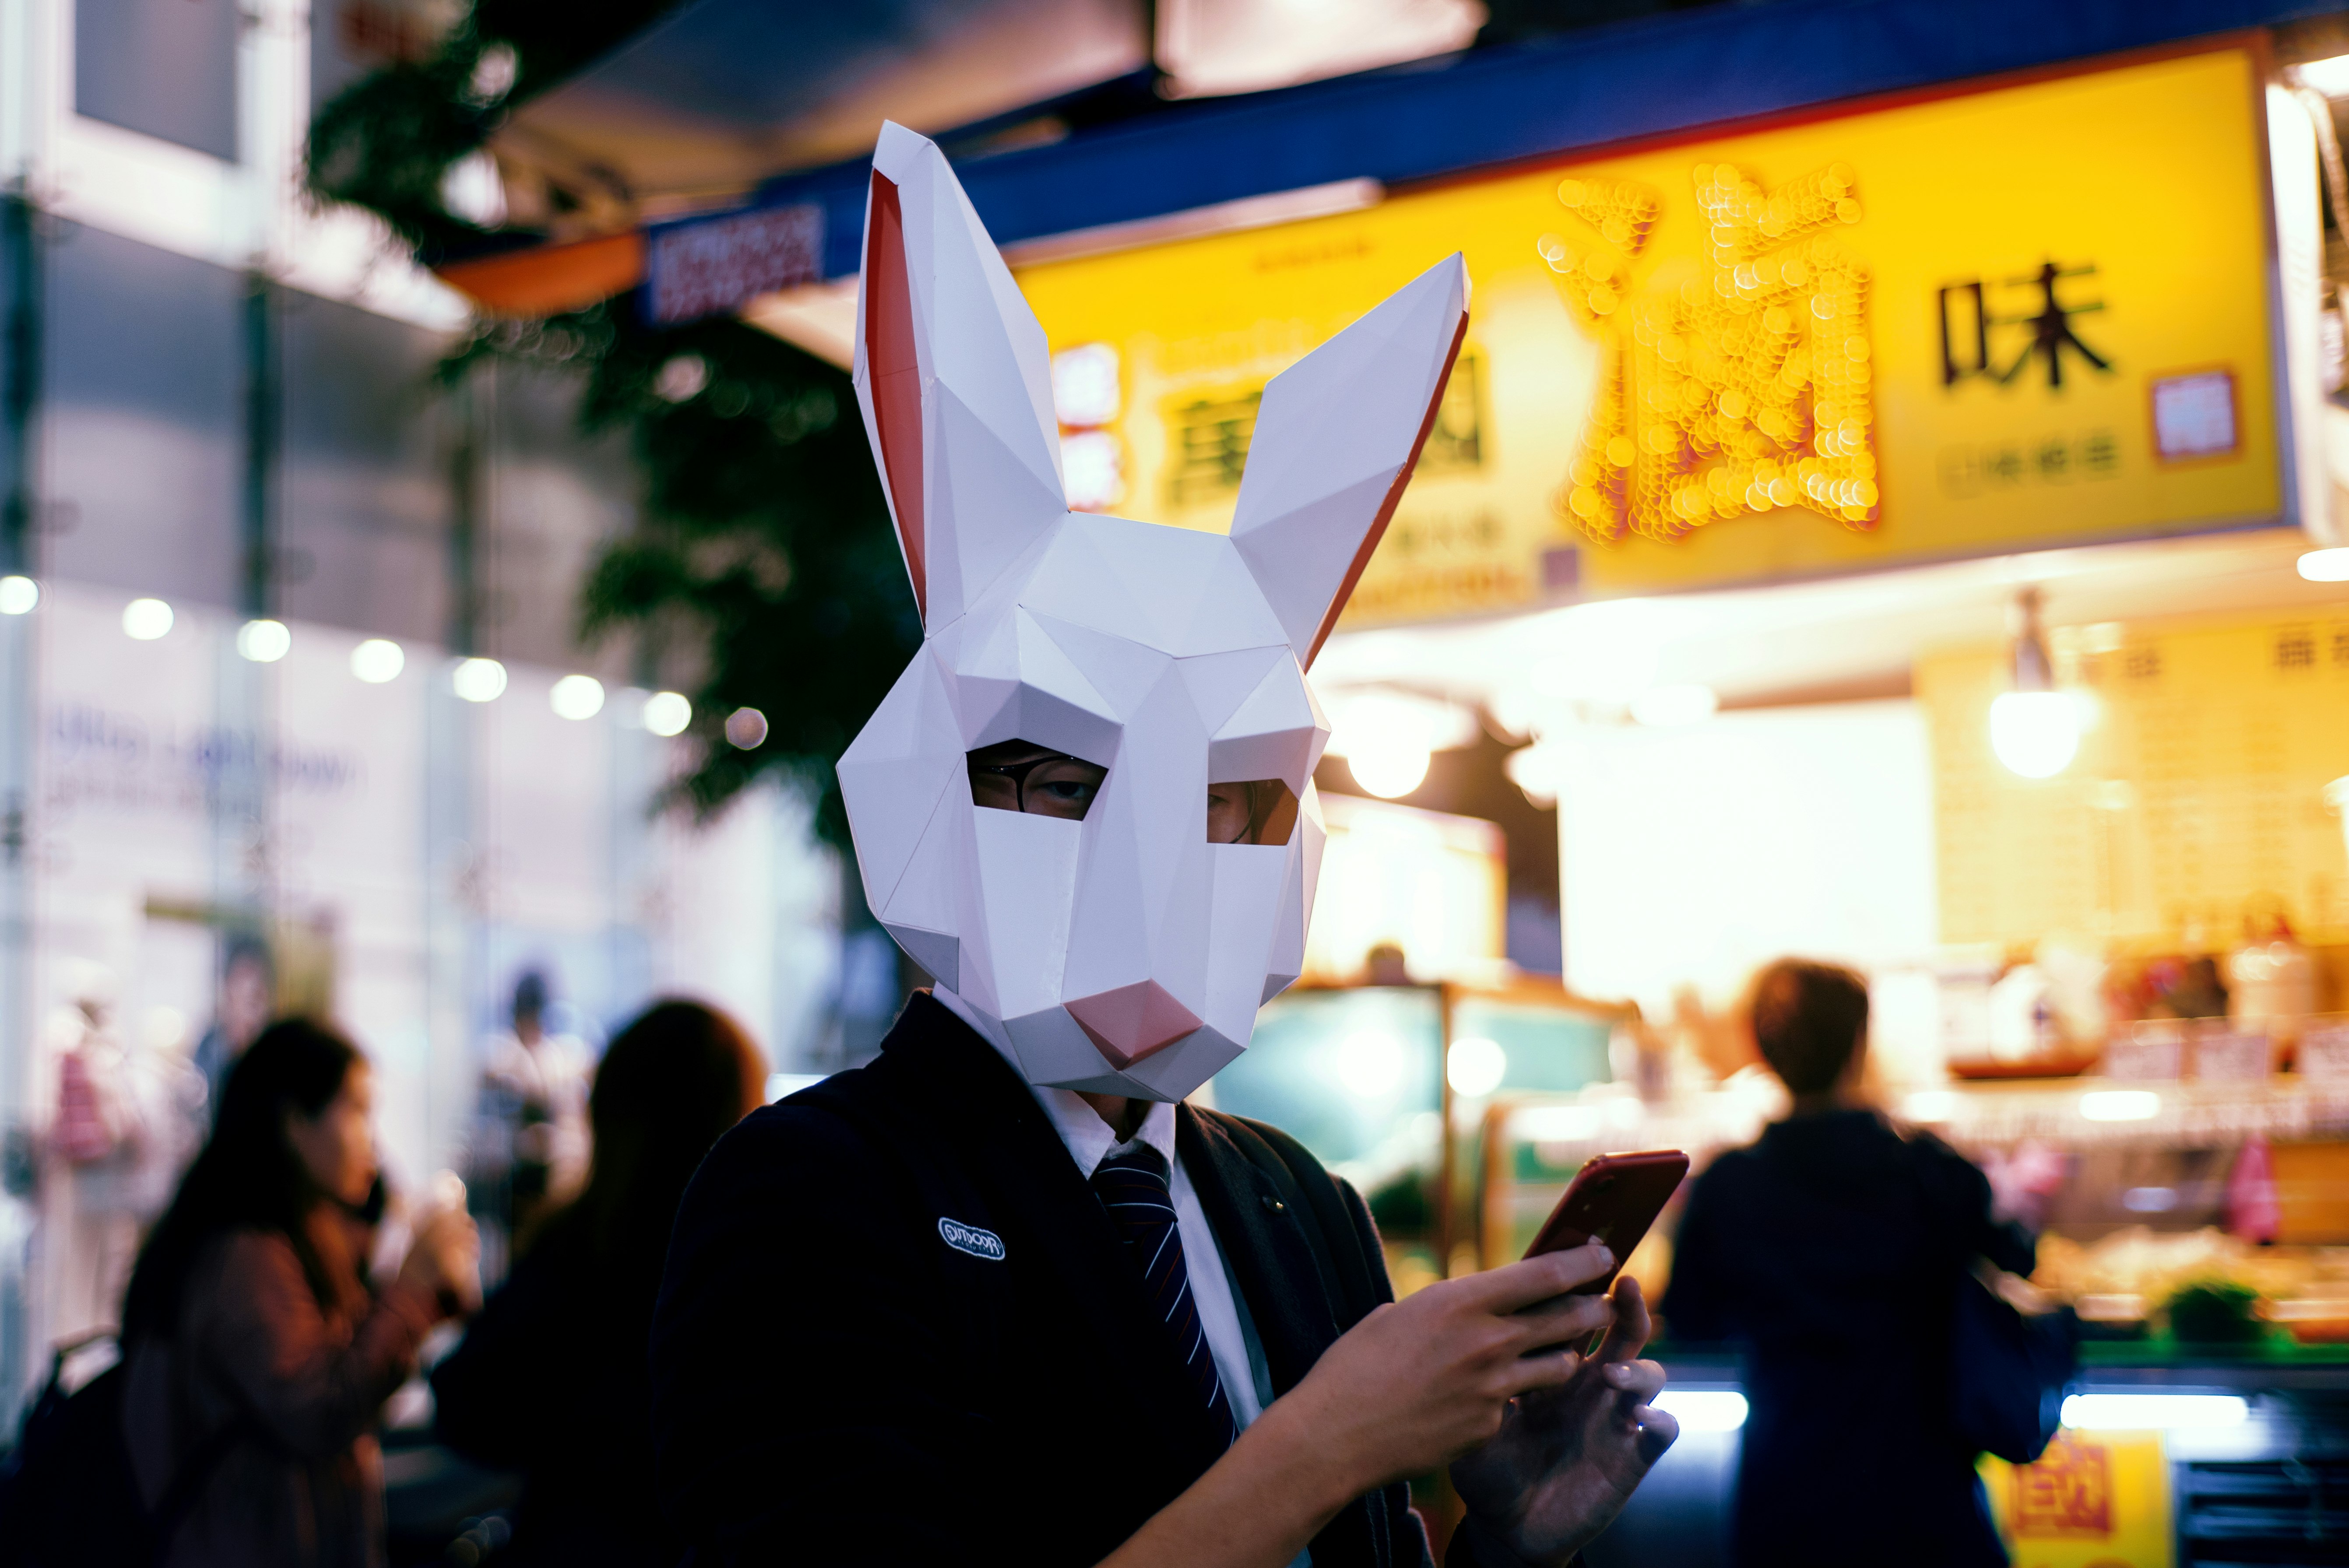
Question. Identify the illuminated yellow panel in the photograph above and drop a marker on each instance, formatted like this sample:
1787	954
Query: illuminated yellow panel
2093	1500
1932	330
2196	799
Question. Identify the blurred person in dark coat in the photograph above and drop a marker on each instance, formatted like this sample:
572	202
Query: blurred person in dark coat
1833	1249
551	1379
257	1356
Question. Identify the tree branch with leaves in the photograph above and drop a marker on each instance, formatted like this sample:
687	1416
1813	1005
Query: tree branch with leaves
760	536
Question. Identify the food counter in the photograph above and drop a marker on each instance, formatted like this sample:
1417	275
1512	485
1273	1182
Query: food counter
2200	1228
2230	1445
1387	1085
2196	1457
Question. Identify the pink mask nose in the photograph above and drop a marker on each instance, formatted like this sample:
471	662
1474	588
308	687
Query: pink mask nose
1132	1022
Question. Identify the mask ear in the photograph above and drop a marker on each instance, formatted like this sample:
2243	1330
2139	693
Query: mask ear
1336	438
954	380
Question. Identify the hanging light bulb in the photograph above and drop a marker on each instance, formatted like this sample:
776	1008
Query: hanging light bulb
2034	729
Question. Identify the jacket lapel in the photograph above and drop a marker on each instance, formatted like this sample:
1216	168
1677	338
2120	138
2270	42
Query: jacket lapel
1259	1222
1262	1223
1060	1242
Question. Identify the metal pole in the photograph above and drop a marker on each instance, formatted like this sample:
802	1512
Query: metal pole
464	519
263	401
452	861
21	260
20	387
242	789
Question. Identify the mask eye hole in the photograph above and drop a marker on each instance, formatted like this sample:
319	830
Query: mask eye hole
1020	776
1254	811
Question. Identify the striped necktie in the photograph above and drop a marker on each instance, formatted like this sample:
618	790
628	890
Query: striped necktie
1132	1187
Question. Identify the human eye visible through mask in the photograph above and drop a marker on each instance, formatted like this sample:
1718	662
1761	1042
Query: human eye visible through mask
1017	775
1020	776
1252	811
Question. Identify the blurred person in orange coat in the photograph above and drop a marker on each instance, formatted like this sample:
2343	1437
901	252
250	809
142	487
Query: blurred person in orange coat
258	1358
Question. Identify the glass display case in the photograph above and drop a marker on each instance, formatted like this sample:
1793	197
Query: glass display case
1388	1086
2201	1230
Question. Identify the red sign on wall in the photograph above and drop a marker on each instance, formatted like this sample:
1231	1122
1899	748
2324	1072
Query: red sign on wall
2068	1493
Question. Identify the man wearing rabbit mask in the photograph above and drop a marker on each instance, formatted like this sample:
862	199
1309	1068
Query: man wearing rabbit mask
1003	1290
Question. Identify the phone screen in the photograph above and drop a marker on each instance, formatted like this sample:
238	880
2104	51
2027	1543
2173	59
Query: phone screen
1612	1200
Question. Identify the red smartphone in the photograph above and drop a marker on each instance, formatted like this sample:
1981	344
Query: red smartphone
1613	1200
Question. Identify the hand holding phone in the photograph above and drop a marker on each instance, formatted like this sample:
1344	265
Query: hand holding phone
1612	1200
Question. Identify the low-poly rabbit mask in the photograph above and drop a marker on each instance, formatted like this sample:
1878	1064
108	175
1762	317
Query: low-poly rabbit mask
1113	947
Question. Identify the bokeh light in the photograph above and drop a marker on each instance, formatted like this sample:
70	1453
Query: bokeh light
377	660
479	680
668	713
578	697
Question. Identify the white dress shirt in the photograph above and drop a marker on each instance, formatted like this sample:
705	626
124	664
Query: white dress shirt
1090	1141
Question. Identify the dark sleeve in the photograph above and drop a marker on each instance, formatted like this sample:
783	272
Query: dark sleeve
491	1394
1345	1238
1366	1236
1966	1194
2012	1247
803	1379
1697	1305
2009	1244
1407	1544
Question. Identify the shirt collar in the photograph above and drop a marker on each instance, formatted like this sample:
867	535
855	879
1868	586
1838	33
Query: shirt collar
1090	1139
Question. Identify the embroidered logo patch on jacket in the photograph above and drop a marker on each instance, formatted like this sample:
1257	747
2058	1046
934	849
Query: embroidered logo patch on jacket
970	1239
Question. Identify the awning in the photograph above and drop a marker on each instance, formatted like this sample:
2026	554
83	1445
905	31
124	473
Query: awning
547	280
718	95
1439	117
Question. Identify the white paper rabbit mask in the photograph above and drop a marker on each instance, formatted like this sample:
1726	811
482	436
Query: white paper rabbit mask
1113	947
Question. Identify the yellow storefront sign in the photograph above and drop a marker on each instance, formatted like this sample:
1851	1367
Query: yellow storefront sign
2093	1500
2008	317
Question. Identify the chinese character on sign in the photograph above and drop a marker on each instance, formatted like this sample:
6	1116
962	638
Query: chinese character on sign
708	265
2068	1493
2052	460
1477	534
1740	392
1209	437
1966	323
1456	438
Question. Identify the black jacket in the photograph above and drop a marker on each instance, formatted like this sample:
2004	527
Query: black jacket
1832	1248
550	1380
832	1382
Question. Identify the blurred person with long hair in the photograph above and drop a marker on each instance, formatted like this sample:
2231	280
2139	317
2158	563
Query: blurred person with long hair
258	1357
551	1379
1832	1250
